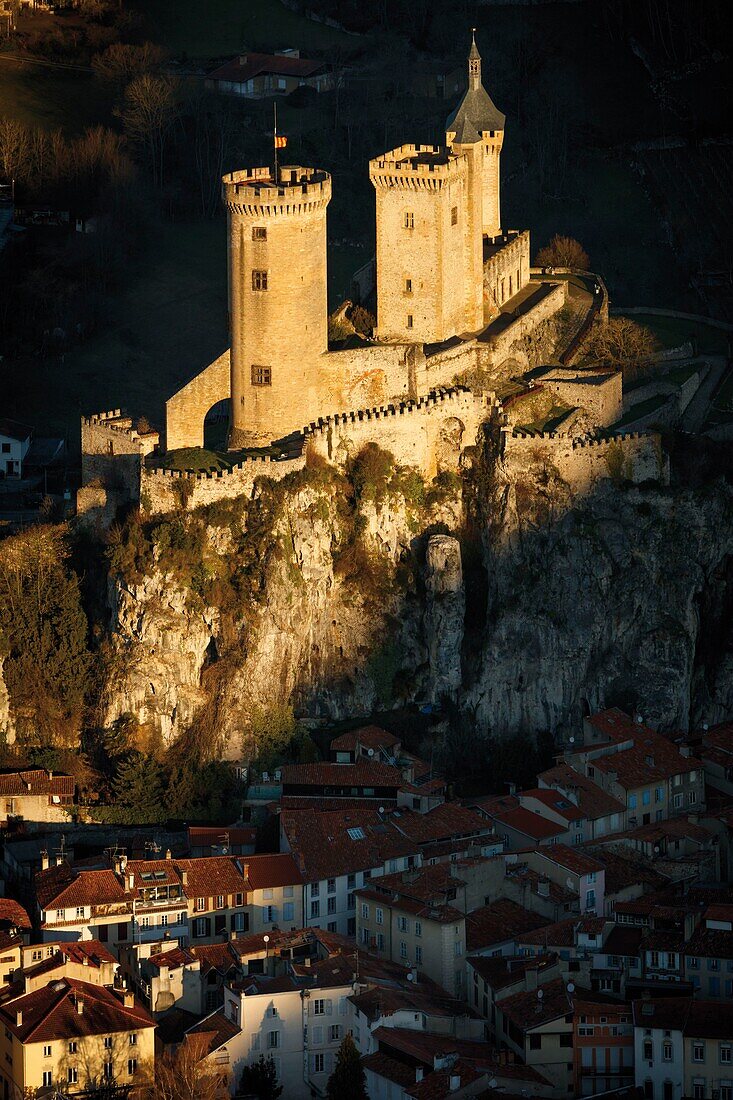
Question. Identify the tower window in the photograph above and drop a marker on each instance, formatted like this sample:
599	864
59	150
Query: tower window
261	376
409	320
408	286
259	233
259	280
409	219
510	286
454	215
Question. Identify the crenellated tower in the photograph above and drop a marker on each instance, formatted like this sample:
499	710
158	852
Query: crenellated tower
278	307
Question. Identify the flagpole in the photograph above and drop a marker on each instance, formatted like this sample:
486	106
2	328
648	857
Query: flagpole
274	107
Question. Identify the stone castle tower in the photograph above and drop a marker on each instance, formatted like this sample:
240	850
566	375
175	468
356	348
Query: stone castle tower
278	307
435	205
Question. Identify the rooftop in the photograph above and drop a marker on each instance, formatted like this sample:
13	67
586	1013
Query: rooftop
339	842
696	1019
370	737
36	781
592	800
364	773
527	823
247	66
53	1012
528	1009
496	923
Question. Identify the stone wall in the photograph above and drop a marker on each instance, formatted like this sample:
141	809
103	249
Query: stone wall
113	451
506	270
186	410
429	434
598	393
633	456
506	344
167	490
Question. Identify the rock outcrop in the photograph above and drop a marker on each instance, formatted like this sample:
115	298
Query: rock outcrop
444	615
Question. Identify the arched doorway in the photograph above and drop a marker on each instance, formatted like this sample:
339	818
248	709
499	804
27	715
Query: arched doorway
216	426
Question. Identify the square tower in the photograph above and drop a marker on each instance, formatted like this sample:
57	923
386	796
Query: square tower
429	243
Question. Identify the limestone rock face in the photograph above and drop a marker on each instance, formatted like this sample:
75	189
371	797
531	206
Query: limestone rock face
444	614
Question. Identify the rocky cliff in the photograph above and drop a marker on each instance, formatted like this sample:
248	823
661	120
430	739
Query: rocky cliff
341	598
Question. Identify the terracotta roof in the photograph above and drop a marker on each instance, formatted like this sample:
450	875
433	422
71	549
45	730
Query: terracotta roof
652	757
439	911
209	875
213	1032
62	887
550	936
502	971
51	1012
521	873
493	803
424	1047
341	842
558	803
526	1010
592	799
371	737
75	951
501	921
247	66
615	724
710	943
385	1000
271	870
305	802
364	773
528	823
389	1068
13	913
571	859
447	821
437	1085
719	912
35	781
624	869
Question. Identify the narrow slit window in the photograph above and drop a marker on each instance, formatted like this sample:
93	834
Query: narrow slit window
409	320
409	219
454	216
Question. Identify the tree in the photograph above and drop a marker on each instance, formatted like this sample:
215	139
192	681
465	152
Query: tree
121	62
259	1081
563	252
348	1078
138	790
149	111
623	344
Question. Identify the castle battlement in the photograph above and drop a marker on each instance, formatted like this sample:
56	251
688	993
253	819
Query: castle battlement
438	399
416	166
115	421
585	443
253	192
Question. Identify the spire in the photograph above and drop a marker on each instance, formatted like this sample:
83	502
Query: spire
476	113
474	63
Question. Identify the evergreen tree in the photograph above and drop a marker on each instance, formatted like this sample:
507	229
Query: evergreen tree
348	1079
259	1080
138	790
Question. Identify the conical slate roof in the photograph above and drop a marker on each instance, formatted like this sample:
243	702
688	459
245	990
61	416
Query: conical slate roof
476	112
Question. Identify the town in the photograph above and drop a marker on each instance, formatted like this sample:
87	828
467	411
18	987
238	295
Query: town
571	939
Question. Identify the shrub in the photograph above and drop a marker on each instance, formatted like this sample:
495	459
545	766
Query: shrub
563	252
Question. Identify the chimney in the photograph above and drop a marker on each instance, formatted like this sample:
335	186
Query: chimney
50	774
19	1018
85	960
80	1005
530	978
184	878
168	853
419	1073
455	1082
242	59
685	750
543	888
128	999
131	881
59	860
44	860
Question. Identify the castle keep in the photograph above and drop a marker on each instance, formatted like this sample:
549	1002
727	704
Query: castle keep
456	298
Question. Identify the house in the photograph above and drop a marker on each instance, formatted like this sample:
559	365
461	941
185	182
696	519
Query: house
709	954
520	827
255	75
537	1025
274	892
716	753
580	873
89	962
69	1035
683	1048
234	840
364	779
416	918
680	848
336	852
35	797
365	743
490	978
419	1005
601	812
15	928
493	929
603	1045
15	439
539	893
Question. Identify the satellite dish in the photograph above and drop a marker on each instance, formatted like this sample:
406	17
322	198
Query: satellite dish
493	1083
381	809
266	939
705	725
656	848
540	994
370	752
571	987
569	883
411	977
571	740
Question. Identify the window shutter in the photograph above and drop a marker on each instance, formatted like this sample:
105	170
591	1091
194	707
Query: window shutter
207	925
310	1008
273	913
329	1062
318	1034
342	1006
329	1007
232	923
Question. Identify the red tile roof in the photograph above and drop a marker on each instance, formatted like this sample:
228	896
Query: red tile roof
212	1032
364	773
324	849
696	1019
592	799
61	887
501	921
389	1068
615	724
270	870
571	859
549	937
502	971
51	1012
528	823
527	1010
710	943
444	822
438	1084
35	781
248	66
652	757
371	737
554	801
13	913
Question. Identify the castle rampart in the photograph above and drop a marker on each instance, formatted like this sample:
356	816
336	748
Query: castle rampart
632	456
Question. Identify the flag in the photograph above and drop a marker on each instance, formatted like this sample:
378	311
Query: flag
280	141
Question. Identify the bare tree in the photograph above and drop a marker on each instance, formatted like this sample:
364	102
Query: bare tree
149	111
563	252
122	62
16	148
623	344
187	1075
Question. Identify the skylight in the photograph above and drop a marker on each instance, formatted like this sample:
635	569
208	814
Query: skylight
357	833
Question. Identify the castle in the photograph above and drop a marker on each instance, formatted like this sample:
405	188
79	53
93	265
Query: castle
455	295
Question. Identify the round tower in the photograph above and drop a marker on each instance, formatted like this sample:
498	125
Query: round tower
278	308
